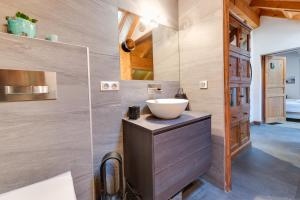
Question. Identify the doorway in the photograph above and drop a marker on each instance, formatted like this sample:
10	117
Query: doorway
274	88
283	95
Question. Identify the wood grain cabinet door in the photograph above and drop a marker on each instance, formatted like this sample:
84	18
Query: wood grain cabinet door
245	101
234	33
234	68
235	103
244	131
235	116
245	112
245	70
240	80
235	137
244	39
180	155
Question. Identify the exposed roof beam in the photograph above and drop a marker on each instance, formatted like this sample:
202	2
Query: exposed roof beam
287	14
134	24
289	5
141	63
272	13
242	9
293	14
122	22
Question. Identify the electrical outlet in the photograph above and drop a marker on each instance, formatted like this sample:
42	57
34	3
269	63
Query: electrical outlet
110	85
203	84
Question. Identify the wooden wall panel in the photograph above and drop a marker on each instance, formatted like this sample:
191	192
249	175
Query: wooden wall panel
41	139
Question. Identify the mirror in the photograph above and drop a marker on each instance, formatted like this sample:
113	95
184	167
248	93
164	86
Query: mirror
148	50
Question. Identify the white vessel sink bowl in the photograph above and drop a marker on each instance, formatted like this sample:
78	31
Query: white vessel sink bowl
167	108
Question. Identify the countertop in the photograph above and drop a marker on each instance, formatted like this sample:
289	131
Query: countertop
155	125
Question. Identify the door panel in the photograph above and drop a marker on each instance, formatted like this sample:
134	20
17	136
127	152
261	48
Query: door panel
245	70
240	80
274	69
234	68
245	101
245	39
234	137
235	104
233	35
275	112
244	131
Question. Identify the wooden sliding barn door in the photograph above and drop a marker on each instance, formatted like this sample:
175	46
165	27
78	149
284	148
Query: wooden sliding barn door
274	92
240	80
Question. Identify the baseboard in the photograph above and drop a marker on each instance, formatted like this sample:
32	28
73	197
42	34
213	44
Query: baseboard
241	149
255	123
292	120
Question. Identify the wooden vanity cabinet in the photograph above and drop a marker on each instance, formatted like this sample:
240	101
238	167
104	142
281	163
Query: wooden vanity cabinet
240	80
163	156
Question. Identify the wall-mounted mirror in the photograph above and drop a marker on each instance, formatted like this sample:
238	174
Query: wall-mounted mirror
148	50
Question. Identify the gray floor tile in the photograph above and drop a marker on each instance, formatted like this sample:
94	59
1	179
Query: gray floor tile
270	170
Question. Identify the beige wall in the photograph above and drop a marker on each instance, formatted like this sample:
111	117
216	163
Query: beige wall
201	56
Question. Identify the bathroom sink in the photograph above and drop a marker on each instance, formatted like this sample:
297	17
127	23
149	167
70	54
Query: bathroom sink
167	108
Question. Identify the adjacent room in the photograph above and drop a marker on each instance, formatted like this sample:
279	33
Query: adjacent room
292	84
150	100
280	74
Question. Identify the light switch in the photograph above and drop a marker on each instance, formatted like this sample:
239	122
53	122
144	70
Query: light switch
203	84
110	85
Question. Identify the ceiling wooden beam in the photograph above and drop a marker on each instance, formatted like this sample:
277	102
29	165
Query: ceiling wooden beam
286	14
273	4
134	24
293	15
272	13
122	22
242	9
141	63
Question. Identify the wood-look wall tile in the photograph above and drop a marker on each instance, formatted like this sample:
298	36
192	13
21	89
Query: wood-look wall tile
104	68
91	23
41	139
216	173
136	93
88	23
106	110
107	136
201	56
